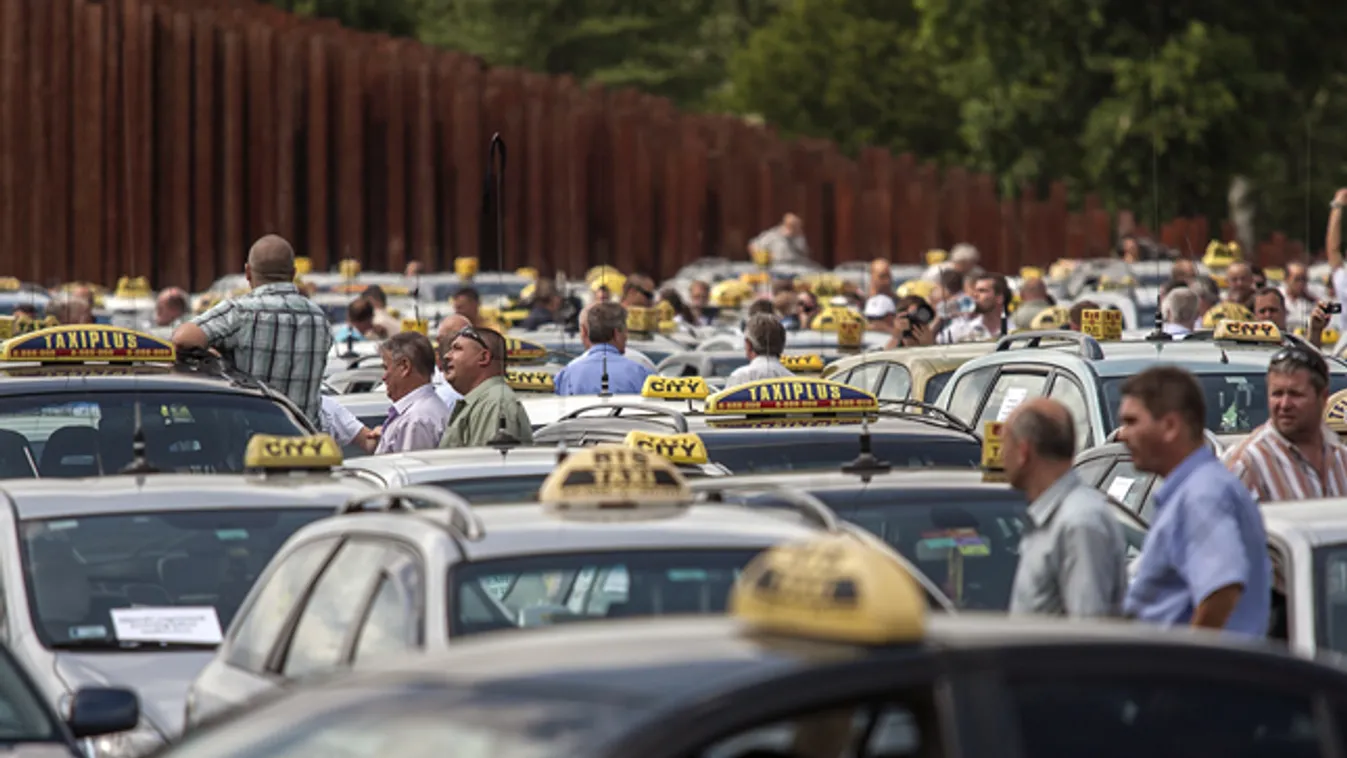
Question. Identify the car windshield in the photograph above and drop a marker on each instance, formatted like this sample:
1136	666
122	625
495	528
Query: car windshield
552	589
119	580
725	365
1236	403
71	435
798	450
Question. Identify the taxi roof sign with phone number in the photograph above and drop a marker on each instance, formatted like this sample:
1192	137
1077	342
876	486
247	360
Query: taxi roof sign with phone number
614	477
1247	331
790	395
675	387
272	453
1103	325
84	343
834	588
685	449
520	351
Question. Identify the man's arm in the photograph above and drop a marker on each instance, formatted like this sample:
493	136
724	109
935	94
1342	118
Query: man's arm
188	336
1333	238
1215	609
1213	562
210	329
1094	567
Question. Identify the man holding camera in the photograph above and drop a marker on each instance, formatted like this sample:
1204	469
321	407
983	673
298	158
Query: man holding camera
913	325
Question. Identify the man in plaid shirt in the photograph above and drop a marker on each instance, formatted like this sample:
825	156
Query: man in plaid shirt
273	333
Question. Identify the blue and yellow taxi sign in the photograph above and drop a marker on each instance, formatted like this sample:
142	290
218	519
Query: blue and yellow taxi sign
790	395
522	351
687	449
1247	331
614	477
465	267
530	381
268	452
1335	412
675	387
834	588
811	363
87	343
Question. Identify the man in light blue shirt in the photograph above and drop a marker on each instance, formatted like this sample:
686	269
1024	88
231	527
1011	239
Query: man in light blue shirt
603	329
1204	562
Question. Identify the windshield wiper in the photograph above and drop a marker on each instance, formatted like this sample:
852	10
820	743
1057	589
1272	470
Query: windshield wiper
124	646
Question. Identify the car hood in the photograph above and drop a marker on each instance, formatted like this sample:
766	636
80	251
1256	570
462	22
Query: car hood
160	679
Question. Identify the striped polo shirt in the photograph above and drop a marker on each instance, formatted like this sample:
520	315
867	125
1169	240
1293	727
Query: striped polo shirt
1274	469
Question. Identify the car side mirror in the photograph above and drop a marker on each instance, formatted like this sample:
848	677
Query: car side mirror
96	711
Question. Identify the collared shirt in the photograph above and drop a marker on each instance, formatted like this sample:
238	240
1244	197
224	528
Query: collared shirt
966	329
415	422
784	249
1073	555
278	336
761	367
1339	279
1298	311
339	422
1274	469
477	416
584	375
1175	330
1207	533
448	395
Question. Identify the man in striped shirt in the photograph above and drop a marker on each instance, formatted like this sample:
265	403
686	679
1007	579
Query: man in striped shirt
1293	456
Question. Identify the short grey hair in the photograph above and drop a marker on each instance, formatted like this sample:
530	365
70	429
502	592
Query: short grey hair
603	321
1180	306
415	348
765	335
1051	435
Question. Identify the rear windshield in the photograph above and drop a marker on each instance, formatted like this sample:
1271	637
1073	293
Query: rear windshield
1236	403
74	434
523	488
791	450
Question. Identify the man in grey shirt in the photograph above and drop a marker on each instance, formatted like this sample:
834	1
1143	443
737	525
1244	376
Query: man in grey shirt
1072	553
418	416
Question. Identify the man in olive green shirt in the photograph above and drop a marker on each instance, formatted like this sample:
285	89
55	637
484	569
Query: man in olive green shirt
474	365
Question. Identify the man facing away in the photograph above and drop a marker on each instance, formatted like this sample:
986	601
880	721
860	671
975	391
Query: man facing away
273	332
418	416
764	340
475	366
1072	555
603	330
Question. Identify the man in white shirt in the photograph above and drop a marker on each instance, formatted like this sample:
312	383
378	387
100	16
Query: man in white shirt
786	242
418	416
449	328
1333	246
344	427
1178	311
764	340
1299	304
990	292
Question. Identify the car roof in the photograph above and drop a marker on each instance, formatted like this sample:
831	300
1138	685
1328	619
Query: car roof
57	498
1318	522
957	352
1125	358
25	378
727	428
963	478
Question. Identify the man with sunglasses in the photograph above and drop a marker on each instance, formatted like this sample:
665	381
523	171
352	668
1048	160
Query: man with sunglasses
1293	456
475	365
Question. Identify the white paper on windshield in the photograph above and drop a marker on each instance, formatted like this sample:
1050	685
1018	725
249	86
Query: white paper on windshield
190	624
1014	396
1119	488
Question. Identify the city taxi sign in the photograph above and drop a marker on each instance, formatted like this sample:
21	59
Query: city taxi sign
521	351
1247	331
530	381
642	320
349	268
834	588
790	395
272	453
675	387
1103	325
1335	412
15	325
687	449
9	284
418	325
614	477
809	364
81	343
133	287
466	268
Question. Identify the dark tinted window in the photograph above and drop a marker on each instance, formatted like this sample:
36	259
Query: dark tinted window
1162	717
1092	471
725	365
262	621
501	489
1330	597
779	450
1236	403
934	385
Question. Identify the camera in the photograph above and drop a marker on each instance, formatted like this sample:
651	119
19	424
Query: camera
1332	308
922	316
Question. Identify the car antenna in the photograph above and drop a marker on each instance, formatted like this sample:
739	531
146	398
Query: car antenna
603	378
495	190
140	462
1158	334
865	465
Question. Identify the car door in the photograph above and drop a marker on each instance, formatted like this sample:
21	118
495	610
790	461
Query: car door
393	618
1067	390
1130	487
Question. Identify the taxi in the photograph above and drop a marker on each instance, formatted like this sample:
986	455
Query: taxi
14	293
781	424
129	580
1108	468
1086	374
73	399
615	535
908	373
720	364
828	650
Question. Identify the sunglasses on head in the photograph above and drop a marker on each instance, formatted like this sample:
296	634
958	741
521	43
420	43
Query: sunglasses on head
473	335
1301	357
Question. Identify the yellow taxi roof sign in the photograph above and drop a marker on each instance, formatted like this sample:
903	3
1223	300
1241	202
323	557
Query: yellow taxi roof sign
993	456
1031	272
465	268
418	325
1229	311
87	343
129	287
521	351
811	363
11	326
528	272
790	395
1335	412
10	284
685	449
614	477
834	588
675	387
303	265
272	453
349	268
762	258
935	257
1052	317
530	381
1247	331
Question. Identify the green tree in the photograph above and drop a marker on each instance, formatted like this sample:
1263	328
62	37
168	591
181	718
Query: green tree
396	17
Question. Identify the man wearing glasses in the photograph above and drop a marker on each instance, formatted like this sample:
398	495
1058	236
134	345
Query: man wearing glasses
474	365
1293	456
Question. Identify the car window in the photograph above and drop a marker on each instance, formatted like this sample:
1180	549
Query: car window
934	385
1236	403
251	644
1162	716
495	489
777	451
1126	485
1068	392
23	715
897	383
392	624
968	391
1092	471
1330	597
1011	389
864	377
329	615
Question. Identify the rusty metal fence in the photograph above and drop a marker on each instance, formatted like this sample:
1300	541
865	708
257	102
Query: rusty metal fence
159	137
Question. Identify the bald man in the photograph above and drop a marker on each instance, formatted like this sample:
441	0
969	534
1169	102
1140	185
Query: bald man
170	308
786	242
273	332
1072	553
444	335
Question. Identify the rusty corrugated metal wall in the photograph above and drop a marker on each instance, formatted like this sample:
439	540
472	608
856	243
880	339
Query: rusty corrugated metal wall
159	137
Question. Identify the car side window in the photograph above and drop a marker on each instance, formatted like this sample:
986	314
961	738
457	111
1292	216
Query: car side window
394	622
1092	471
1125	484
864	377
1162	716
934	384
897	383
261	622
1011	389
1068	392
968	390
330	615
